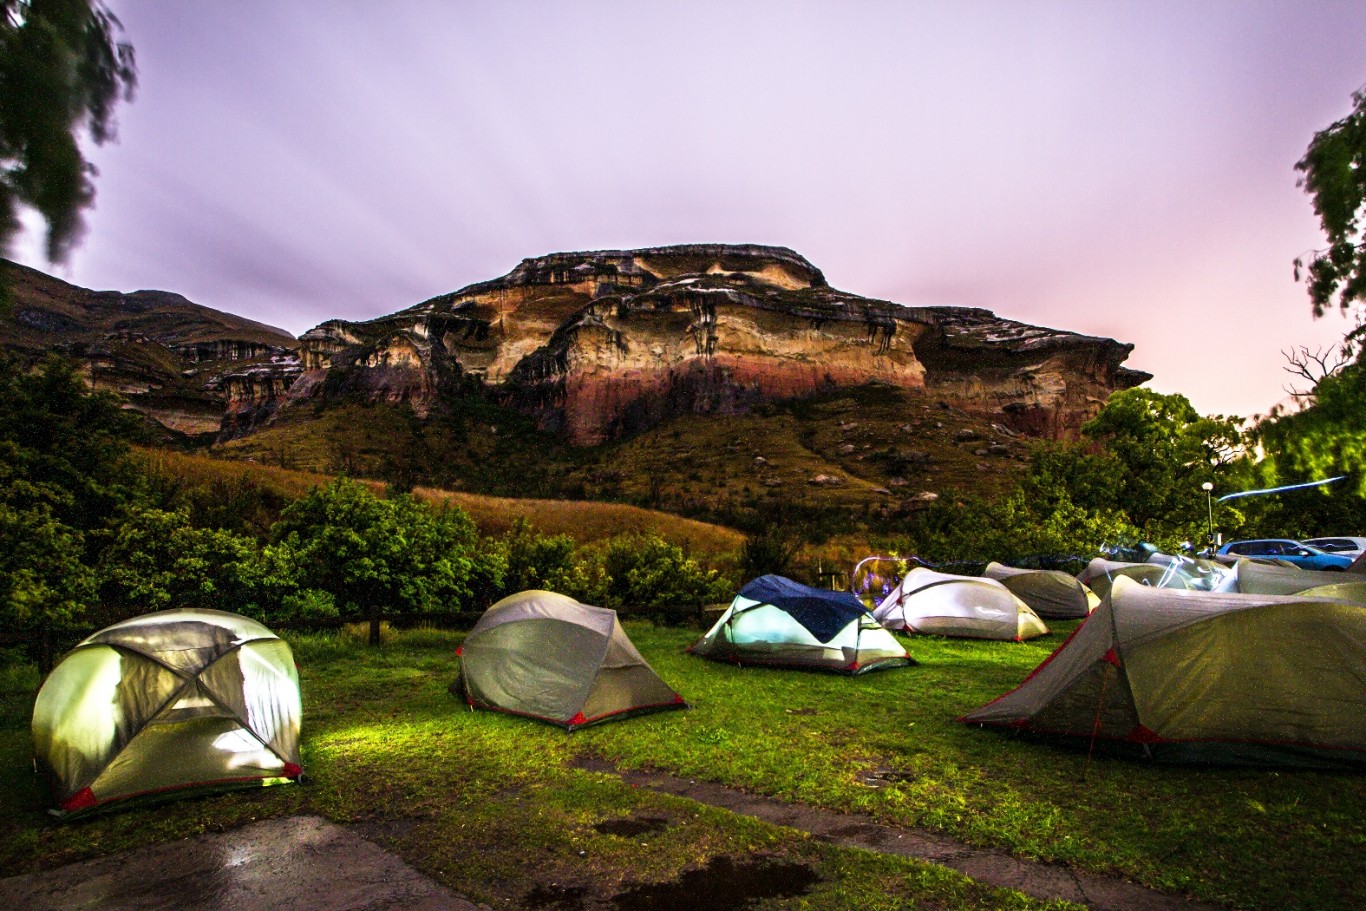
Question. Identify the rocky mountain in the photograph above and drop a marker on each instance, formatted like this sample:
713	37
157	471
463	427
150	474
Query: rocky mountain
601	345
179	363
594	346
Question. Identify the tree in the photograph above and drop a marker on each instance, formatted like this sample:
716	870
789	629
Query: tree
160	561
375	556
63	474
62	70
1334	169
1164	450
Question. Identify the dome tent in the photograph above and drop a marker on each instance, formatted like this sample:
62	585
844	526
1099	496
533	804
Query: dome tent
941	604
1255	578
1101	573
777	622
170	700
1203	677
1050	593
546	656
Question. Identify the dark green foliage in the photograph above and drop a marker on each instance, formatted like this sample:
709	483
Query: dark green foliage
1324	440
1162	451
1136	477
770	549
159	561
64	473
61	71
964	536
536	561
1334	169
378	556
647	575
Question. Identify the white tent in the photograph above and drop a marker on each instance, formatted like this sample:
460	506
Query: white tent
776	622
971	607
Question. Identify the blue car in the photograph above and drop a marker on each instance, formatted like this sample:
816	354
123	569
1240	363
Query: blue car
1302	555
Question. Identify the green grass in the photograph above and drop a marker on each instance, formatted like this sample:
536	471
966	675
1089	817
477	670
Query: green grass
493	806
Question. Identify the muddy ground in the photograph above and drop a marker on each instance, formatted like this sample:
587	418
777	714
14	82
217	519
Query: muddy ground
306	863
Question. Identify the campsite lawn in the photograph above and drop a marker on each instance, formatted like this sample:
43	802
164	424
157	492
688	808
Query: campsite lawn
494	807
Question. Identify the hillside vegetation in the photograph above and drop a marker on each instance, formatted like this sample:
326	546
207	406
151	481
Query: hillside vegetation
864	454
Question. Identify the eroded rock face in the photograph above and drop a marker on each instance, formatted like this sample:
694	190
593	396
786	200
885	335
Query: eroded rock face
605	344
595	346
192	369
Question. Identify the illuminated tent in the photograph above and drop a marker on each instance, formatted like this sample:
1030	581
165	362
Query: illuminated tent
1050	593
775	621
971	607
1189	676
546	656
170	700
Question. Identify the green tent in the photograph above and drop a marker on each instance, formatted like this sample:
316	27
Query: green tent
1050	593
165	701
546	656
1192	676
1256	578
777	622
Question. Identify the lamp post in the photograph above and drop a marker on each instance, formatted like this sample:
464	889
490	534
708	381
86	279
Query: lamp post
1208	488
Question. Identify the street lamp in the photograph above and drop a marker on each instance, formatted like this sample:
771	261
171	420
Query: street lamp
1208	488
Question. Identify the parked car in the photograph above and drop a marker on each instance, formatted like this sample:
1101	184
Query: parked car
1344	545
1303	555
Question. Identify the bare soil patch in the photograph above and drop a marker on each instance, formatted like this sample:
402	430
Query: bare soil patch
991	867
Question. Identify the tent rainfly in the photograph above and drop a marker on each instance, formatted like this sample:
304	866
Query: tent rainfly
1050	593
970	607
546	656
1185	676
777	622
1101	573
172	700
1253	577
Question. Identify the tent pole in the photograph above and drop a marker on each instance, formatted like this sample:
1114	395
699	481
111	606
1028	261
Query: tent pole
1095	725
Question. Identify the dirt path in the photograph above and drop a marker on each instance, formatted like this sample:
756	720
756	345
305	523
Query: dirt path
301	863
305	863
854	830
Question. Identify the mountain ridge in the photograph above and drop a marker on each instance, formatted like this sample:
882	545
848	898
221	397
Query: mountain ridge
592	345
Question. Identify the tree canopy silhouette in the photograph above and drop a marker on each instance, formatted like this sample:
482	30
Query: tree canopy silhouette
1334	169
62	71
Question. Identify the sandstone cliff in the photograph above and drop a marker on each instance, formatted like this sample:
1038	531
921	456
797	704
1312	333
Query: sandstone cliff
595	346
600	345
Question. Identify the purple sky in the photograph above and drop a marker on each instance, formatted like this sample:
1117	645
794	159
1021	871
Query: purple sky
1112	168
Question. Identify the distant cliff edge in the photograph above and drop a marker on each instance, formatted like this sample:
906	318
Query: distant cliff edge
595	345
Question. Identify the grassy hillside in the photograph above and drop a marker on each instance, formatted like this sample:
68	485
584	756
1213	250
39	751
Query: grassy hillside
583	521
856	458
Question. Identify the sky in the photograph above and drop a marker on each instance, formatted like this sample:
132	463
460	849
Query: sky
1123	169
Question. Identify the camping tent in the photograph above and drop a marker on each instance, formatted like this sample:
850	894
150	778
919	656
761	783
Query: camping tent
546	656
941	604
1254	577
1207	677
174	699
1101	573
775	621
1050	593
1197	573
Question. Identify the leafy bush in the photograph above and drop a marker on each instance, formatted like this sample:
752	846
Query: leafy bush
378	556
647	575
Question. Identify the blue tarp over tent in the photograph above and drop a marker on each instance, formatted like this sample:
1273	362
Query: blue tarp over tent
821	612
